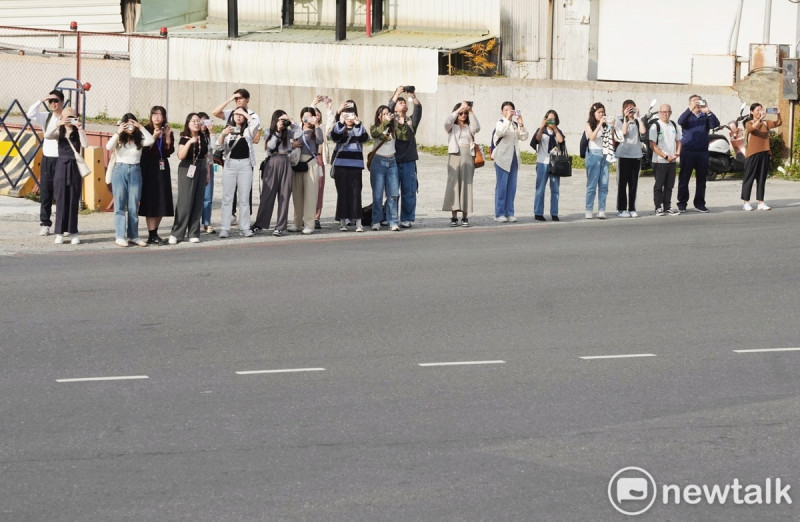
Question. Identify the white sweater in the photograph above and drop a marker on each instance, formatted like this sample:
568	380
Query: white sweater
128	153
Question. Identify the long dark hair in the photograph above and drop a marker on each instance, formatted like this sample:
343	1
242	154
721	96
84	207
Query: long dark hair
378	112
455	108
353	109
136	137
186	132
592	120
273	124
156	108
555	116
203	129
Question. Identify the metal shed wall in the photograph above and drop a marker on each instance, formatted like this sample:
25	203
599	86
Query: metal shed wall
524	29
455	15
91	15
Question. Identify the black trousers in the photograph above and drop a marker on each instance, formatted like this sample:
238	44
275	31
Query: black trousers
697	161
756	168
46	176
628	181
665	180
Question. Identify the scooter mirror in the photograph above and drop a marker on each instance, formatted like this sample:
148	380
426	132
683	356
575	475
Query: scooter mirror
653	103
742	107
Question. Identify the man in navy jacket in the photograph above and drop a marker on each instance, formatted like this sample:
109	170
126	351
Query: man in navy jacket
695	123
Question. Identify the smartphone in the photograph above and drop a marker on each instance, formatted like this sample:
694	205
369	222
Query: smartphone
702	103
772	110
410	89
74	121
208	123
517	113
349	105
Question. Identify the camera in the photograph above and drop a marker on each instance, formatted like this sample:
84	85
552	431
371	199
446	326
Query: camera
410	89
236	130
469	104
702	103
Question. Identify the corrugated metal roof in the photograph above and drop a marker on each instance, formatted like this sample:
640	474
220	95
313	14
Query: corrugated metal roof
91	15
422	39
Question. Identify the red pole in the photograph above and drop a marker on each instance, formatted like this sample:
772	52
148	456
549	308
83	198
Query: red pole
369	18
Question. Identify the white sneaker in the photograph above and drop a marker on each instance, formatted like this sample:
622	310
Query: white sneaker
359	228
194	240
223	233
376	227
44	231
634	214
406	224
246	233
624	214
601	214
139	242
763	206
589	214
293	229
172	240
121	242
343	226
75	240
501	219
512	219
307	231
59	239
394	228
747	206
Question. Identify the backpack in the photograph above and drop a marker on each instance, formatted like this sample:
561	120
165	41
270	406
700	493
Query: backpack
658	129
493	145
584	145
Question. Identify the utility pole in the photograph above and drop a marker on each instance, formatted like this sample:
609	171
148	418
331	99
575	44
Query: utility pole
341	20
233	18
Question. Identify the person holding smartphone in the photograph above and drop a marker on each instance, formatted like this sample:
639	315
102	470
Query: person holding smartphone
193	176
347	162
47	120
507	134
406	151
67	180
546	139
461	127
695	122
125	181
758	155
629	129
305	187
236	142
156	201
283	136
597	131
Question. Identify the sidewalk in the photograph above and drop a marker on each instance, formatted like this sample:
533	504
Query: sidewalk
19	218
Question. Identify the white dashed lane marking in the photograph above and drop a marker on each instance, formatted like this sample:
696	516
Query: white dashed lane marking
459	363
116	378
762	350
288	370
620	356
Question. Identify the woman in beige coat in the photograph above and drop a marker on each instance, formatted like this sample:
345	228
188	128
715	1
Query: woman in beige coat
461	127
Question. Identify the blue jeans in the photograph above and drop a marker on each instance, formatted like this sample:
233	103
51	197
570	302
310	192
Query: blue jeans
596	180
505	190
383	177
407	171
208	199
541	182
126	184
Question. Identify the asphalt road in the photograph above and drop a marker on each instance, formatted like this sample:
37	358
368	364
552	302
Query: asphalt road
367	433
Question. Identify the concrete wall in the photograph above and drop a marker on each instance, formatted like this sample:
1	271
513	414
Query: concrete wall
571	99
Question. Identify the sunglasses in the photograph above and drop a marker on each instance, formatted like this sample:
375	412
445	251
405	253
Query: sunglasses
53	100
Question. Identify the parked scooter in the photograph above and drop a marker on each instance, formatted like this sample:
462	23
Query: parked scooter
726	153
648	119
